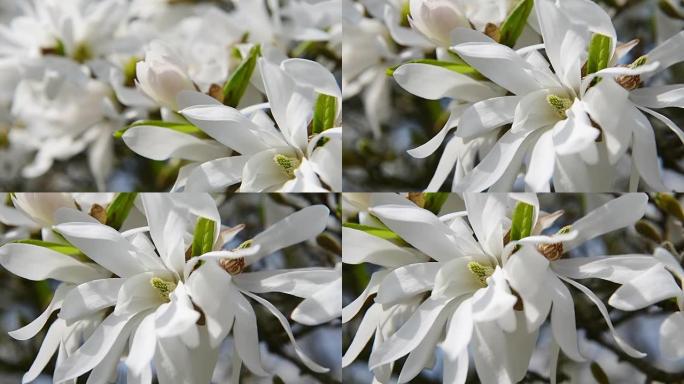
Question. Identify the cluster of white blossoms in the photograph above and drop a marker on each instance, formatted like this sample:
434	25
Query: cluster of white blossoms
149	277
220	90
480	283
543	95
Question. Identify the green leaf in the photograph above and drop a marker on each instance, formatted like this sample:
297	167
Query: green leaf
599	53
599	374
434	201
513	26
203	239
522	221
235	87
325	112
178	127
382	233
463	69
119	208
61	248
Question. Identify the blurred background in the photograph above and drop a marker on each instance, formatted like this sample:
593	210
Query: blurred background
661	226
23	300
382	121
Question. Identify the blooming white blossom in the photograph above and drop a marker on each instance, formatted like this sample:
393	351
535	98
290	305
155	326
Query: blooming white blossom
165	294
483	283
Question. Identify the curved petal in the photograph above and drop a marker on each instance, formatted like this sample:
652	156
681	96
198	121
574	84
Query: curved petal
286	326
659	96
542	164
47	350
216	175
650	287
208	286
669	52
500	64
245	333
300	226
615	214
323	306
672	337
366	329
487	115
104	245
31	329
90	297
433	82
159	143
143	346
407	281
604	312
420	228
227	125
312	74
38	263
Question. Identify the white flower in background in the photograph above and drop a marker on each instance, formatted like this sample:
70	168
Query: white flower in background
163	75
437	18
660	279
471	281
175	293
285	158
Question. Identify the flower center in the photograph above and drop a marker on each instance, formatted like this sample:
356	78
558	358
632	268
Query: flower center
287	163
481	272
631	82
164	287
235	266
553	251
559	104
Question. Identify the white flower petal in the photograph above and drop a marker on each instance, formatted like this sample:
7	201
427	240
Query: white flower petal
104	245
312	74
407	281
300	226
31	329
245	333
159	143
604	312
407	338
672	337
487	115
433	82
323	306
366	329
143	346
227	125
500	64
669	52
650	287
216	175
286	326
38	263
91	353
90	297
563	319
47	350
616	268
177	317
420	228
659	96
542	164
350	311
615	214
644	149
208	286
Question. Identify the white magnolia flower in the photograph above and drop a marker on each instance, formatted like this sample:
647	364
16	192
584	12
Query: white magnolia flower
285	158
163	75
660	279
471	283
563	121
171	309
437	18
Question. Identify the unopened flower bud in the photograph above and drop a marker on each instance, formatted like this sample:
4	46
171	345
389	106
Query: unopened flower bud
162	75
436	19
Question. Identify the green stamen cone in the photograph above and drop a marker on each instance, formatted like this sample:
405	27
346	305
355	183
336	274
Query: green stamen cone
164	287
560	104
481	272
288	164
639	62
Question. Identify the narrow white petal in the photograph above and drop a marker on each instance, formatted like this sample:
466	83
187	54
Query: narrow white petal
38	263
407	281
433	82
487	115
606	316
659	96
90	297
245	333
296	228
159	143
31	329
350	311
104	245
563	319
47	350
542	164
650	287
322	307
286	326
364	332
208	286
216	175
143	345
